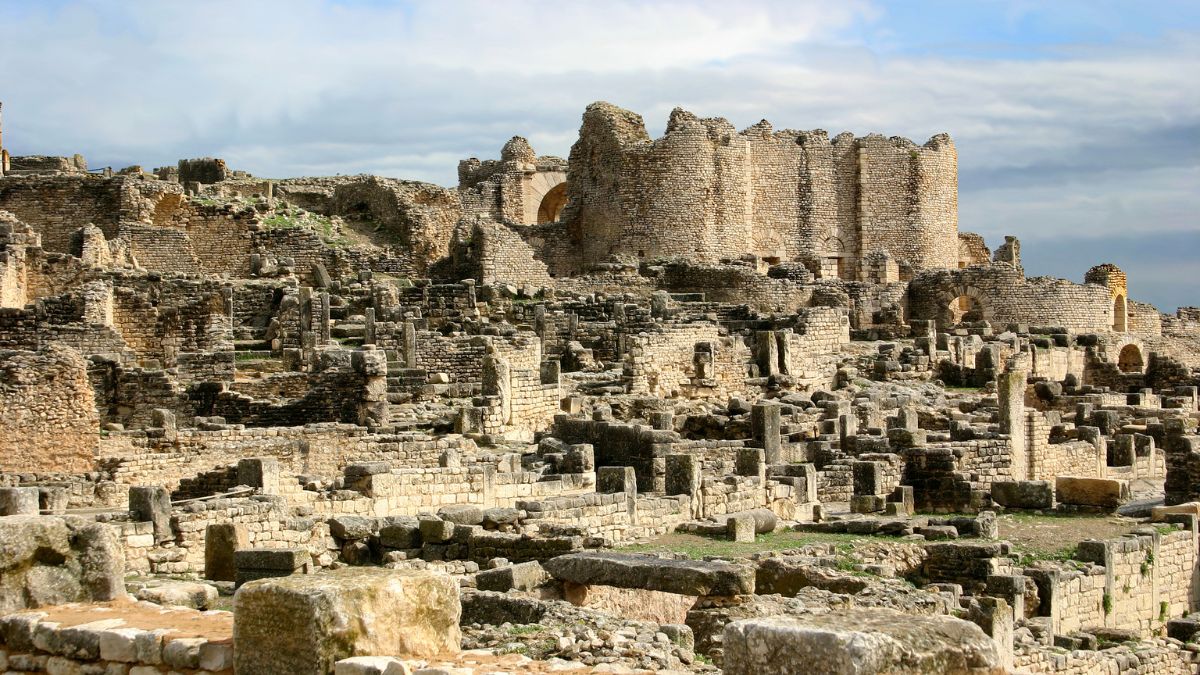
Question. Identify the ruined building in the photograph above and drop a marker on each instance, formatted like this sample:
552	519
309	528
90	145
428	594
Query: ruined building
718	400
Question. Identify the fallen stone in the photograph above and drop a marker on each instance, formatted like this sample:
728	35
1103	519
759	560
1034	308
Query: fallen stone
630	570
1105	493
859	642
304	625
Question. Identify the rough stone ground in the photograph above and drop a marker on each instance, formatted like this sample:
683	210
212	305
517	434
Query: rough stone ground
148	616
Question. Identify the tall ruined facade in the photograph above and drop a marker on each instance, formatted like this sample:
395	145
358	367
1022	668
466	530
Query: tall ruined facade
705	191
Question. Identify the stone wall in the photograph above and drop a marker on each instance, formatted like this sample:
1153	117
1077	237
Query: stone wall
48	419
1003	295
705	191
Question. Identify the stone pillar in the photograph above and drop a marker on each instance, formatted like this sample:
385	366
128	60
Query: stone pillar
259	472
659	302
765	424
767	353
152	503
221	542
369	327
409	339
683	478
304	296
617	479
371	364
497	382
324	327
1010	393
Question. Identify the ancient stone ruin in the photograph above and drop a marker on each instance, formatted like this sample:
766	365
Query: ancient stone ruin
722	400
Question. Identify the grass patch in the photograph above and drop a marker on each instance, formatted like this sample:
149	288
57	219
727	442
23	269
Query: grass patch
695	546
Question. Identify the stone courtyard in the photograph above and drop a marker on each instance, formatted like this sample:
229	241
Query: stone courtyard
742	401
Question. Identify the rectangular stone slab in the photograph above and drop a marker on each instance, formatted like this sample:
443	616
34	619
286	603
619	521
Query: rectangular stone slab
630	570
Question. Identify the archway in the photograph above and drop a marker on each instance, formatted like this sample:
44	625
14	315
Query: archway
552	204
965	308
833	265
1130	359
1120	314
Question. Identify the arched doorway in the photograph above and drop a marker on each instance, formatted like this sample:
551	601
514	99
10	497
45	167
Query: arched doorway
1130	359
552	204
965	309
1120	314
833	264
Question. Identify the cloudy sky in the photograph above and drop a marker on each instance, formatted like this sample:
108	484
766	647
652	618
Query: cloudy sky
1077	122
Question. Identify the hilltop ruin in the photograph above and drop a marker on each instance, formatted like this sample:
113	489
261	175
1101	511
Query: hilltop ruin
742	400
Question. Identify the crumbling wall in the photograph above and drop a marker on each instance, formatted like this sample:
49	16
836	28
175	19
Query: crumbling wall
705	191
48	419
684	359
1003	295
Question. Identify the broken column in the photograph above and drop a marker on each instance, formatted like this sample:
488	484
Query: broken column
152	503
765	425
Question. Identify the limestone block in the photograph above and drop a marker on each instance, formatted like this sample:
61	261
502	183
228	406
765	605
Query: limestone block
1159	514
19	501
260	563
859	641
152	503
629	570
179	594
436	530
221	541
1104	493
49	560
522	577
1023	494
352	527
741	528
462	514
306	624
259	472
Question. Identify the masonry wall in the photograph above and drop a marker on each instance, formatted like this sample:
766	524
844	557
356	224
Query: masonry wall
48	418
1005	296
705	191
684	359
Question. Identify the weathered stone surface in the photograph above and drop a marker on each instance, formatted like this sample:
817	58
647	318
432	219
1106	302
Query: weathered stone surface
305	624
1105	493
19	501
179	594
1023	494
46	560
221	543
352	527
859	642
629	570
522	576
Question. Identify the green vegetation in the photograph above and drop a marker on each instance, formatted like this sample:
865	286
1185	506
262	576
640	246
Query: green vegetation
1107	603
1164	609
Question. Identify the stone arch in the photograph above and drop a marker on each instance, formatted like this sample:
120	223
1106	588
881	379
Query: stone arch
1130	360
965	306
552	204
1120	314
535	188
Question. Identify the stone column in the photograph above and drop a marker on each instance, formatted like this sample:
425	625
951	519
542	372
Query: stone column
152	503
1010	392
765	425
